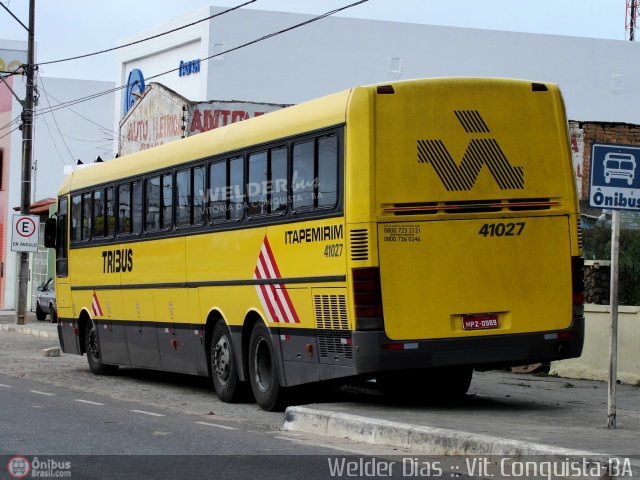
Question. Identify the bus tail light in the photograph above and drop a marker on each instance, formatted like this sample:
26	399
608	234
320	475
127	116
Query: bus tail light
577	274
367	298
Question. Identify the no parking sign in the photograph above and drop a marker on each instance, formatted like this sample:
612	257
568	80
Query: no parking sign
24	235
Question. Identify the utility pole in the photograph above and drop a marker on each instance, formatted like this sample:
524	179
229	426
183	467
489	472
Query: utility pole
27	140
631	17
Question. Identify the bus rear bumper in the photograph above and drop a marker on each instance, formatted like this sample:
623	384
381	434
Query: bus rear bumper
375	352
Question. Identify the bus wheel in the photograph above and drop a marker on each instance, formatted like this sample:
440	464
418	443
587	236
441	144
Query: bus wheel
94	355
224	370
454	381
263	374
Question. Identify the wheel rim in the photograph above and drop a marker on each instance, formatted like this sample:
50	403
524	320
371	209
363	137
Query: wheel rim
222	359
92	344
262	365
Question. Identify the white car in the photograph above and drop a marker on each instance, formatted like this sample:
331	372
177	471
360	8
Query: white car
46	301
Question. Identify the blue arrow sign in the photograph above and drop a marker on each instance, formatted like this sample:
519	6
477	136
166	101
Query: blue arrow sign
615	177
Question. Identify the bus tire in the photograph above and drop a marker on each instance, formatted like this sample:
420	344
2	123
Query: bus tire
94	354
263	374
224	368
454	381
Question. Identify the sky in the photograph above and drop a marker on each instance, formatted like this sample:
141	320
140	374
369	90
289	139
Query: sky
65	28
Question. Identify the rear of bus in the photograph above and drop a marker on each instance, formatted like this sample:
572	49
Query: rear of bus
474	236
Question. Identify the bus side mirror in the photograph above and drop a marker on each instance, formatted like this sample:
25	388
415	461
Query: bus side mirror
50	228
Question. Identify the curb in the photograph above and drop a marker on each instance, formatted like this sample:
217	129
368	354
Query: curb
423	439
26	330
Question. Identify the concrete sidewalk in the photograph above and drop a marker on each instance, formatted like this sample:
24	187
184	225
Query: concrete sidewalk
503	414
32	326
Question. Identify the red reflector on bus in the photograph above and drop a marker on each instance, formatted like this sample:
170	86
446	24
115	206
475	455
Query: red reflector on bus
400	346
566	335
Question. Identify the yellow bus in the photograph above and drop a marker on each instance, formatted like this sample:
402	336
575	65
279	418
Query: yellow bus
409	232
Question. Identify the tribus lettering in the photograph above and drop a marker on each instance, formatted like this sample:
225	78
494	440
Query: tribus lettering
116	261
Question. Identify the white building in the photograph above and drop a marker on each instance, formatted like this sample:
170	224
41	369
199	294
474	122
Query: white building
61	137
599	78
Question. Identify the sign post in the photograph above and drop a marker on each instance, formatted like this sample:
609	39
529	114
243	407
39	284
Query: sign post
614	185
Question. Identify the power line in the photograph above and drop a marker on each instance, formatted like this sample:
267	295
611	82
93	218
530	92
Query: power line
270	35
56	122
264	37
148	38
9	133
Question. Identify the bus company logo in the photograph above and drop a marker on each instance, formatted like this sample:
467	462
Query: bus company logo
274	297
18	467
480	152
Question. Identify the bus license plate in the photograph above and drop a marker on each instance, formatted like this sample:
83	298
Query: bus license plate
480	322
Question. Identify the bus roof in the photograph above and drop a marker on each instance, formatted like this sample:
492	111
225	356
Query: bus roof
308	116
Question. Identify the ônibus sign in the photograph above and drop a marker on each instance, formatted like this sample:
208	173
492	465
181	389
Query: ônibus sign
24	234
615	177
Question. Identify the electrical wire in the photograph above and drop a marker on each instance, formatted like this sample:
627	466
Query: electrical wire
264	37
270	35
9	133
41	83
77	57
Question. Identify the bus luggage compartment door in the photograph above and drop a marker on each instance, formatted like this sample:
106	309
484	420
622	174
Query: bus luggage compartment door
474	277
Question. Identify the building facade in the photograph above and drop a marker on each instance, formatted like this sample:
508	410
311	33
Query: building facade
598	79
61	138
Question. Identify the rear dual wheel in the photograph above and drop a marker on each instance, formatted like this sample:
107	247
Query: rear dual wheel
263	374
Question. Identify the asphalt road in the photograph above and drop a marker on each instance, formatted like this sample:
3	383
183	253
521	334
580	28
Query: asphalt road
104	437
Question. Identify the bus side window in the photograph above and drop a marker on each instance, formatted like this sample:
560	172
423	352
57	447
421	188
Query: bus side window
152	213
302	177
278	185
110	214
183	198
62	264
217	191
236	188
85	232
136	207
327	184
76	218
198	194
98	213
124	209
166	219
257	185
